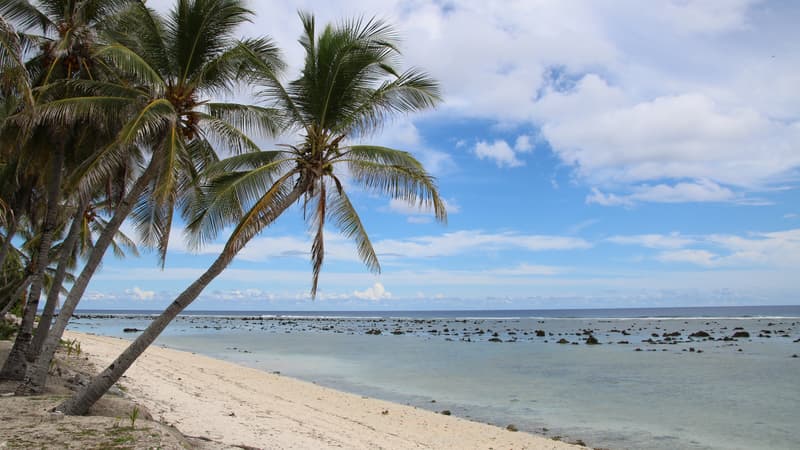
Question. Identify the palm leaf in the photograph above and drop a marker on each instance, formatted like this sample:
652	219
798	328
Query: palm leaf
349	223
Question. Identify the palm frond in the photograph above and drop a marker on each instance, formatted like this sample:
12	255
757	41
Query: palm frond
251	119
231	192
26	15
280	196
414	186
318	244
201	29
349	223
134	67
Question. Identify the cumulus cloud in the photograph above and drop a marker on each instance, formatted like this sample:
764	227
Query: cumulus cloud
710	98
498	152
140	294
375	292
778	249
502	153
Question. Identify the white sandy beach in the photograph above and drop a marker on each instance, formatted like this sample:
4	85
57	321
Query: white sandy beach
236	405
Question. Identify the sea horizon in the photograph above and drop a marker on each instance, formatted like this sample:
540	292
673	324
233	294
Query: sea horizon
734	311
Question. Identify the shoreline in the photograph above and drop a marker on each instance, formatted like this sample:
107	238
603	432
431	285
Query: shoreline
236	405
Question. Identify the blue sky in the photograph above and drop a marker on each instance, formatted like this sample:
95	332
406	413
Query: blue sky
592	154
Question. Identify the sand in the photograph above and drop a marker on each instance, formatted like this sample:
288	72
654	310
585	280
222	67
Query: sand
238	406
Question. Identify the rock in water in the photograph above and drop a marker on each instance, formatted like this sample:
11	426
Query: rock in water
700	333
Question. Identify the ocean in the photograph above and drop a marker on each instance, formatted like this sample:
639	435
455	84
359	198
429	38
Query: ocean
658	378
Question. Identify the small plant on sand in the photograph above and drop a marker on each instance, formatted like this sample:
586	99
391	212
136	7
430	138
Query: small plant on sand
133	416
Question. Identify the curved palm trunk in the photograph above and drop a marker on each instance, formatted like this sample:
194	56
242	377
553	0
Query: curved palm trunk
36	375
10	232
17	295
16	364
46	319
80	403
83	400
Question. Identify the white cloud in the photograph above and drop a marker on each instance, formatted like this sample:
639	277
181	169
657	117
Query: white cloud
140	294
699	192
698	257
779	249
661	241
709	95
523	144
460	242
503	154
375	292
499	152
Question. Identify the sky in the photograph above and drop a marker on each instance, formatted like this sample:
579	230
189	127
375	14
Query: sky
592	154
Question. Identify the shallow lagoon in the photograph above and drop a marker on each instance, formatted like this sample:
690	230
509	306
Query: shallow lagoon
724	394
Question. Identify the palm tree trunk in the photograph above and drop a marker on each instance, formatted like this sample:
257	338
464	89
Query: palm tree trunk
18	295
37	372
11	230
16	364
67	248
80	403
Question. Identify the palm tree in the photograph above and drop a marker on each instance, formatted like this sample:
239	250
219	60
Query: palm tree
68	34
347	88
169	67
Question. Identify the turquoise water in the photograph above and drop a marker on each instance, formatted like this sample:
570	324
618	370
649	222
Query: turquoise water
677	391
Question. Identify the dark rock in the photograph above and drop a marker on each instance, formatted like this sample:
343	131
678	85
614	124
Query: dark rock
512	427
131	330
374	331
591	340
563	341
700	333
741	334
540	333
446	412
494	339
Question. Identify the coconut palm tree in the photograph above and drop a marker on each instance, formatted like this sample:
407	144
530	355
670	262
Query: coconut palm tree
170	67
348	87
67	34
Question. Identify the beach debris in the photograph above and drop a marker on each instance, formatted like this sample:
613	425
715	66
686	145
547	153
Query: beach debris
512	427
131	330
445	412
385	412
